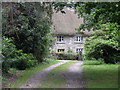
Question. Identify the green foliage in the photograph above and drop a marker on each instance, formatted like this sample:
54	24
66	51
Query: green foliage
24	61
8	48
104	44
29	24
59	6
93	62
66	56
15	58
70	51
109	31
49	60
103	19
96	13
8	52
100	48
13	70
25	75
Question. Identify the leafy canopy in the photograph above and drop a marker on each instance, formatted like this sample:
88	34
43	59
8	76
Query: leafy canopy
30	25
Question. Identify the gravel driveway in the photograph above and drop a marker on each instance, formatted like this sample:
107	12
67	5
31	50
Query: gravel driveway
36	79
73	76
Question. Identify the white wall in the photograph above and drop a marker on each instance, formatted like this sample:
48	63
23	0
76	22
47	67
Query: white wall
69	43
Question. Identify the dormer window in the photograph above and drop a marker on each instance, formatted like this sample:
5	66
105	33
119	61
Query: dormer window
78	38
60	38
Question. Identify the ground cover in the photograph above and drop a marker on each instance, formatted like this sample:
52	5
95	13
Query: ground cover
101	76
26	74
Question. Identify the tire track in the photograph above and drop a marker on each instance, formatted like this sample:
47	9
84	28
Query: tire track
36	79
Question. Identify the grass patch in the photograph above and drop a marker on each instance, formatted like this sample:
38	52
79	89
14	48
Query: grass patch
101	76
26	74
54	79
93	62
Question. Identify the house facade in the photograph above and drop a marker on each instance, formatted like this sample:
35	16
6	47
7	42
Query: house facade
67	38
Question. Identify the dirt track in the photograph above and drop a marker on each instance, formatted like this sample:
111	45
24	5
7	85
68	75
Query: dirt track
73	77
36	79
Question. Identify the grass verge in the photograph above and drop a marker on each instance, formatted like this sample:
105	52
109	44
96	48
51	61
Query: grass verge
54	79
26	74
101	76
93	62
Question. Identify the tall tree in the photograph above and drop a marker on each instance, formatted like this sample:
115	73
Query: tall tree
30	25
103	18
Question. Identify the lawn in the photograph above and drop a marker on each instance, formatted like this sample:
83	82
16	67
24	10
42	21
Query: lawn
26	74
54	79
101	76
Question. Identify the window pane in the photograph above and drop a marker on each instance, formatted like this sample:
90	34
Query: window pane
61	50
78	38
60	38
78	50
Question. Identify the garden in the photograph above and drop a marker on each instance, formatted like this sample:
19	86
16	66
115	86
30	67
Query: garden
27	37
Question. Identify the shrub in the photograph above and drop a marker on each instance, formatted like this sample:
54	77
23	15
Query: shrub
115	58
64	56
105	49
5	66
70	51
24	61
8	52
15	58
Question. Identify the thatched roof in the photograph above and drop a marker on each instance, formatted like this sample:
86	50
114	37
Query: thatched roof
65	23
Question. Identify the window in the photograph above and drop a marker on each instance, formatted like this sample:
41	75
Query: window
60	38
78	50
79	38
61	50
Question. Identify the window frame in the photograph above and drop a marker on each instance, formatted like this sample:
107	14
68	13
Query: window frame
78	50
60	38
60	50
78	38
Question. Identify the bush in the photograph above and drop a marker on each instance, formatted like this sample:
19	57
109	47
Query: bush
24	61
64	56
105	49
13	58
8	52
5	66
70	51
115	58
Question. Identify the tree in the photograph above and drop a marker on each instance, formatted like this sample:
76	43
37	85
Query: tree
30	25
103	19
99	15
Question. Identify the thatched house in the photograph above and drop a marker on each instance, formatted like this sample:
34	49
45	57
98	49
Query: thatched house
68	38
